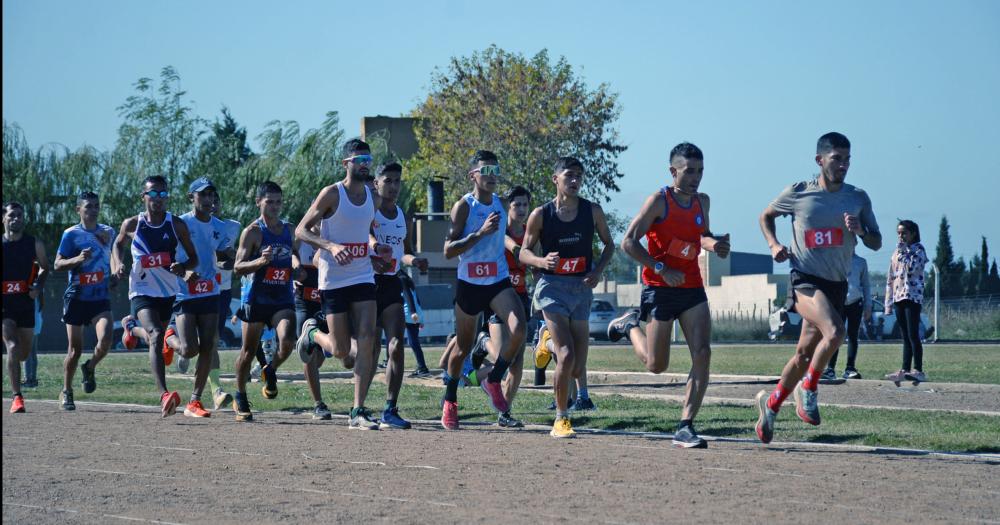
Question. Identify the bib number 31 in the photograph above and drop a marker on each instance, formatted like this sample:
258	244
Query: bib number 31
824	238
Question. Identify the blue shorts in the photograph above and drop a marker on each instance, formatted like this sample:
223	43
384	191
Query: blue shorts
564	295
81	313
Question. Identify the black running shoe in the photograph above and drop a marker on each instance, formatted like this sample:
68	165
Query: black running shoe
620	326
505	420
89	381
686	437
584	404
67	400
270	389
241	405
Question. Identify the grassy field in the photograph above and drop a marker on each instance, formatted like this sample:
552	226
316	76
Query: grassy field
125	378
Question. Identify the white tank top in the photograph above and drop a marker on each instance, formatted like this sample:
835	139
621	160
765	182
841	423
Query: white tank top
350	226
485	263
392	232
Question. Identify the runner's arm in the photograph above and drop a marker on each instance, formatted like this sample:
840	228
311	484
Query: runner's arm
768	228
43	267
455	244
603	233
121	247
409	258
249	244
307	231
532	234
189	266
651	211
712	243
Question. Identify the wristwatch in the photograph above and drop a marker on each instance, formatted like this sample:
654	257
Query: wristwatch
658	267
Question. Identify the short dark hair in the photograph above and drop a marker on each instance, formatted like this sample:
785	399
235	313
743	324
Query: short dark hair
687	151
86	196
392	166
565	163
911	226
267	187
354	145
154	180
482	155
518	191
12	205
831	141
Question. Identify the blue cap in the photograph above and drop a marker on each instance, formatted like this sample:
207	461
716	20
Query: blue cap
200	184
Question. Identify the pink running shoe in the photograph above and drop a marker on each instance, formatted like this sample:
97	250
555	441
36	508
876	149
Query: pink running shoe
495	395
449	415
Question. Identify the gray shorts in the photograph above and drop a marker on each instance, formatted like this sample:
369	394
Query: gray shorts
564	295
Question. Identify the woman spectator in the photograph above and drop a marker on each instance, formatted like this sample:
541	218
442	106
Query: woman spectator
904	288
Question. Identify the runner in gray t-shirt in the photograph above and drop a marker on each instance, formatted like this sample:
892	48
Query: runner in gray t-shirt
827	218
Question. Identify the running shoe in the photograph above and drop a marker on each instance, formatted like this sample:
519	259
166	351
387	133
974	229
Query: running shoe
495	394
686	437
89	381
67	400
619	327
241	405
270	389
182	364
421	373
168	352
472	378
829	373
382	364
348	360
302	344
852	373
169	402
479	350
391	420
916	376
194	409
17	404
505	420
322	412
362	420
220	398
542	354
807	405
449	415
255	372
896	377
765	421
583	404
562	428
129	341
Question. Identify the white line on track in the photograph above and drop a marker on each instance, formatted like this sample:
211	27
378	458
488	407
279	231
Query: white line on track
177	449
379	463
76	511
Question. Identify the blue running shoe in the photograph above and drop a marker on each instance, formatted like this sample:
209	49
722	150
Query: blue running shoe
391	420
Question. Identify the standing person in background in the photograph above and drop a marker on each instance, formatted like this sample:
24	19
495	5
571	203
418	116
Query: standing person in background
31	363
904	288
414	316
859	304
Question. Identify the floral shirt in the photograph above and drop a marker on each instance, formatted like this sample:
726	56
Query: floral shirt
905	280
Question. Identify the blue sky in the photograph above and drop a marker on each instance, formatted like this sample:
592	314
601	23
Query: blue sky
913	84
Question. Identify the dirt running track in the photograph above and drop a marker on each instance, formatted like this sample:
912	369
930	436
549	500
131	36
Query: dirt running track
118	463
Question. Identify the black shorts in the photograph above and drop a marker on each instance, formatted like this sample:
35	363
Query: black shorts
338	301
81	313
667	303
835	291
200	306
261	313
306	310
22	318
163	306
525	302
388	291
474	299
225	297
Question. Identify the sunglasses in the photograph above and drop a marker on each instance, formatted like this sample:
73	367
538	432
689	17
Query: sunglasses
152	194
363	160
488	169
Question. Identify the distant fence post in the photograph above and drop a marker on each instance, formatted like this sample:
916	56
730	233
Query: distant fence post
937	301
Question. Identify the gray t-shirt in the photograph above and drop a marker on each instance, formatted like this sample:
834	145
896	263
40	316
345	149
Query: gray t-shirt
821	245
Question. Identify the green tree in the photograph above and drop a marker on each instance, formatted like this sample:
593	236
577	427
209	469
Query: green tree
952	271
993	280
529	111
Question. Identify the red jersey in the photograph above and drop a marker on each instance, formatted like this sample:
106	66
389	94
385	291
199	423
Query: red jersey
516	269
676	241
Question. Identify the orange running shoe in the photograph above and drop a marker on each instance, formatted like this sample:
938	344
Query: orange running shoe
168	352
194	409
128	340
17	405
169	402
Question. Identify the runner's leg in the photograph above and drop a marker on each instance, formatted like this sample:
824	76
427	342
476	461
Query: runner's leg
154	327
208	339
74	336
696	323
104	328
248	350
652	347
392	323
562	346
363	315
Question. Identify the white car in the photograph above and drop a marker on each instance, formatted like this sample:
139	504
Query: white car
787	325
601	313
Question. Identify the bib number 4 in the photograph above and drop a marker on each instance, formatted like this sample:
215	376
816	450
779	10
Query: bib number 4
824	238
682	249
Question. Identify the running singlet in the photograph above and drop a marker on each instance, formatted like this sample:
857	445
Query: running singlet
517	271
573	240
675	241
821	245
18	260
272	284
154	249
391	232
231	229
484	263
88	281
348	226
207	238
310	289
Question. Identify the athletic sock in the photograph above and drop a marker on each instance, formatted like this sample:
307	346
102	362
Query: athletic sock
811	379
213	380
684	423
261	357
195	397
451	390
777	397
499	369
582	393
312	335
563	413
539	376
390	404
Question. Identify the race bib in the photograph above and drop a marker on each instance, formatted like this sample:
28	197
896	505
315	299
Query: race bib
312	294
516	279
682	249
824	238
91	278
571	265
218	278
12	287
201	286
357	249
482	269
155	260
278	275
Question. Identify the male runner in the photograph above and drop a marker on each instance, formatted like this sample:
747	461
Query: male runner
265	254
344	213
565	227
85	250
153	237
675	222
229	229
22	254
827	217
308	303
